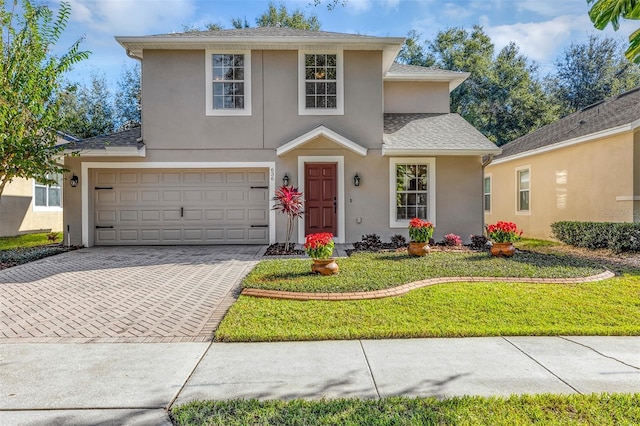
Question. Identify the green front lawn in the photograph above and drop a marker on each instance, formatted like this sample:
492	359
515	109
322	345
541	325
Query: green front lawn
373	271
26	240
602	409
609	307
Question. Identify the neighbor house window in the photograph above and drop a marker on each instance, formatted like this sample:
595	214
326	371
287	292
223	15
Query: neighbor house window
48	196
320	84
228	83
412	190
524	189
487	193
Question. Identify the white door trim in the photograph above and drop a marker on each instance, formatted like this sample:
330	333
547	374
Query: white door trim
84	179
340	191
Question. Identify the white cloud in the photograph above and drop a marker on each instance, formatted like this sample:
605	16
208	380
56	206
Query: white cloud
131	17
537	40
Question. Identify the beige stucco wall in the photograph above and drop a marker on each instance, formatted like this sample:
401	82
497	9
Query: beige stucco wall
17	214
409	96
579	182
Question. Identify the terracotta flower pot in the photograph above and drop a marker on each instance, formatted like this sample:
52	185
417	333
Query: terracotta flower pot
503	249
418	249
325	266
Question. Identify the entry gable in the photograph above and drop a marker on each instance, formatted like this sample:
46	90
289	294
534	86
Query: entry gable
316	133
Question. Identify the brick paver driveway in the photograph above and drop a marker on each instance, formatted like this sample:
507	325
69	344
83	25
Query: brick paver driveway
122	294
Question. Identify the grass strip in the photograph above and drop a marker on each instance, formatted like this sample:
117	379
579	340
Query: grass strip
374	271
608	307
594	409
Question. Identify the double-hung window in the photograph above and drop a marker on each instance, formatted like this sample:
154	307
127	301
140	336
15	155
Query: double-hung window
487	194
524	188
412	183
320	83
228	88
48	197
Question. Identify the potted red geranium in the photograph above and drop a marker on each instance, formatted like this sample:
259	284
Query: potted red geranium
502	236
420	232
320	248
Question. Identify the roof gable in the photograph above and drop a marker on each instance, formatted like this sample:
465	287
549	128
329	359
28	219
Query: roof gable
589	123
316	133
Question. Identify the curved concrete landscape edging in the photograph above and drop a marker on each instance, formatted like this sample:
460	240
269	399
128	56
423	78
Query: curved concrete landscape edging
405	288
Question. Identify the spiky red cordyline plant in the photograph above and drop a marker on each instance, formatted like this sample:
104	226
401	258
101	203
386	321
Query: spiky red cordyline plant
289	201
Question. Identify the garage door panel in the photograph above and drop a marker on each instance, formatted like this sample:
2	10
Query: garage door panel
181	207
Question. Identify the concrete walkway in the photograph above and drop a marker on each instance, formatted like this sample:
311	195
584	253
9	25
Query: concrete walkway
133	383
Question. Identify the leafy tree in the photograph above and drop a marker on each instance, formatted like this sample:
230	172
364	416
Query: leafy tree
413	51
589	72
604	12
128	98
30	81
238	23
280	17
87	111
209	26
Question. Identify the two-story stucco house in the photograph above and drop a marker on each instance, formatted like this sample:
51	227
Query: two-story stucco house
230	115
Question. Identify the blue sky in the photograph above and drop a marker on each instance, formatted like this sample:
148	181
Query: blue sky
541	28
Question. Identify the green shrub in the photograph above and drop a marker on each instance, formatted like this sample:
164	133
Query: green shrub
618	237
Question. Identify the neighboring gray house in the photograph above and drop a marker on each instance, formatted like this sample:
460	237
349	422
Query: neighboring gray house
228	115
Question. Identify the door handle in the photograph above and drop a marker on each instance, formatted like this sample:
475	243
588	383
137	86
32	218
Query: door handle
181	211
335	205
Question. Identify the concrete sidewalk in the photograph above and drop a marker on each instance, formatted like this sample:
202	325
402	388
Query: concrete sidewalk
133	383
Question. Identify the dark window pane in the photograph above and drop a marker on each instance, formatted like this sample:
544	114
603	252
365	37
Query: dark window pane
238	73
421	212
331	88
524	200
238	88
41	196
310	88
321	102
228	88
228	73
411	212
240	102
309	60
331	60
411	199
487	202
321	88
227	60
401	213
332	102
331	74
422	183
228	102
238	60
309	74
422	199
321	60
311	102
487	185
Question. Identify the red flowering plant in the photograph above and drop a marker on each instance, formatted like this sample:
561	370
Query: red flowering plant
320	245
503	232
289	201
420	231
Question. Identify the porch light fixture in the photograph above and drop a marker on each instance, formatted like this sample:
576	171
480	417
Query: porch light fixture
285	180
356	180
74	181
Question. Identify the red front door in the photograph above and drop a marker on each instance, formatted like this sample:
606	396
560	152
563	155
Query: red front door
320	183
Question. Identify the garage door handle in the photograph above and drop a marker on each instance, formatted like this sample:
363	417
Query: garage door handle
104	227
259	226
259	187
181	211
103	187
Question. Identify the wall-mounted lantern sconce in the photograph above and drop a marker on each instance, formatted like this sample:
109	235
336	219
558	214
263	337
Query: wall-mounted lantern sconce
74	181
356	180
285	180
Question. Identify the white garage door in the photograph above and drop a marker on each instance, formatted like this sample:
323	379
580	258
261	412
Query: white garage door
153	207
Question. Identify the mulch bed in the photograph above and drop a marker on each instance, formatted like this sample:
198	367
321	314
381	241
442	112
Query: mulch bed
14	257
278	249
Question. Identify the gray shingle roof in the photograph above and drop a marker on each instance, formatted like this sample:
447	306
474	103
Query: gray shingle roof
265	32
124	139
397	68
434	132
620	110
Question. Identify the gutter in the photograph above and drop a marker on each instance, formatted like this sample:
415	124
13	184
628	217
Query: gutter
137	58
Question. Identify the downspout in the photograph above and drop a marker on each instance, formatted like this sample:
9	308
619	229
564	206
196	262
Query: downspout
138	58
485	163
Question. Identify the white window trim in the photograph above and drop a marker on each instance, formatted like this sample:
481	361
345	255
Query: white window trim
87	237
517	207
45	208
393	162
339	110
208	72
488	175
340	238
